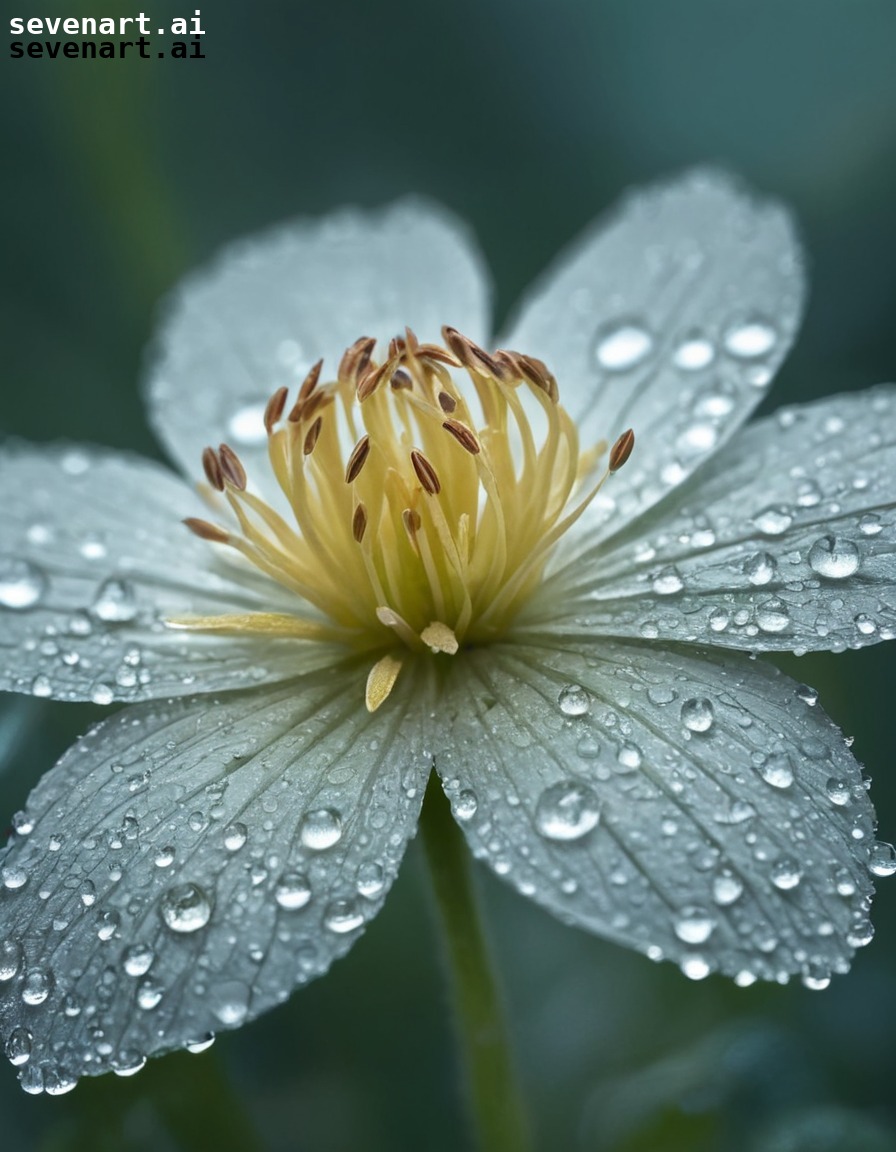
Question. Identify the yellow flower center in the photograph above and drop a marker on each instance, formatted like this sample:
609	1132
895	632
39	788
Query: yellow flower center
422	512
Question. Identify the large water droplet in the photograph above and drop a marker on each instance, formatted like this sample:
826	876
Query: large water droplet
566	811
622	345
18	1046
697	715
574	700
833	558
149	993
760	568
343	916
292	891
776	770
750	338
694	925
774	520
693	353
21	584
321	829
464	805
838	791
882	858
36	986
115	602
786	873
695	967
235	836
230	1002
772	615
370	879
137	959
667	581
10	959
185	908
726	888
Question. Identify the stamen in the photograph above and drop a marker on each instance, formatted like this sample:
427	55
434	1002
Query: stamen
426	474
463	436
206	531
381	681
359	523
355	360
446	402
311	436
621	450
232	468
274	409
401	379
310	381
211	466
356	461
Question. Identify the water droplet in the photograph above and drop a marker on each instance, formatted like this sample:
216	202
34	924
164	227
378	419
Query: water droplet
760	568
137	959
667	581
36	987
246	425
110	922
696	967
149	993
18	1046
629	756
41	686
235	836
870	524
574	700
719	619
697	715
464	805
774	520
833	558
622	345
772	615
750	338
10	959
566	811
230	1002
786	873
92	547
102	694
128	1063
201	1044
861	933
838	791
816	978
21	584
185	908
343	916
369	879
694	925
13	876
776	770
115	602
321	829
882	858
807	695
292	891
726	888
165	857
693	353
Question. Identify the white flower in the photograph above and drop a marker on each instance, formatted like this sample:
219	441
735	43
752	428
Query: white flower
574	662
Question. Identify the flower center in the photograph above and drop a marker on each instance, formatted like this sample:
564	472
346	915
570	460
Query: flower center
421	512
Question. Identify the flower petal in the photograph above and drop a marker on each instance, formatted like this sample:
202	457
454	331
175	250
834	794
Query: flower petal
670	317
271	305
697	809
94	558
786	541
190	864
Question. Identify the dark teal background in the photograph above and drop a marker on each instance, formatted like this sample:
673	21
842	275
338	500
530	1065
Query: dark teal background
527	118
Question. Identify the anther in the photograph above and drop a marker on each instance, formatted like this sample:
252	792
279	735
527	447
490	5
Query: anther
447	402
356	359
397	347
305	409
401	379
470	354
438	355
232	468
371	380
426	474
538	373
211	465
206	531
359	523
463	436
621	450
356	461
411	520
310	381
311	436
274	409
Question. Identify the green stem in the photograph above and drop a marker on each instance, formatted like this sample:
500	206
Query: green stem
496	1104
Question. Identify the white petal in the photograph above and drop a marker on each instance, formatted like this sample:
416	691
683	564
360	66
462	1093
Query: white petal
191	863
93	559
786	541
675	804
271	305
669	317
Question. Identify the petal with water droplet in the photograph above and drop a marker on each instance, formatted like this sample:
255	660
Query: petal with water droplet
692	854
161	956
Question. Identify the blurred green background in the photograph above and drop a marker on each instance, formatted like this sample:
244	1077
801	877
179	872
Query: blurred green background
527	117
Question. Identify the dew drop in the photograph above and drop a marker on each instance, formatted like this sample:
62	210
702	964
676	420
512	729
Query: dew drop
369	879
21	584
786	873
695	967
772	615
343	916
230	1002
694	925
18	1046
697	715
566	811
235	836
870	524
41	686
149	993
816	978
36	987
622	346
838	791
200	1044
807	695
833	558
10	959
629	757
13	876
760	568
137	960
464	805
292	891
115	602
719	619
667	581
776	770
574	700
694	353
774	520
165	857
882	858
321	829
750	338
185	908
726	888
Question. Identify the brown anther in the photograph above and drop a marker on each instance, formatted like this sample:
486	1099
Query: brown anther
438	355
401	379
426	474
411	520
356	461
463	436
311	436
470	354
447	402
371	380
356	359
411	340
621	450
397	347
538	373
274	409
232	468
359	523
310	381
206	531
211	466
303	410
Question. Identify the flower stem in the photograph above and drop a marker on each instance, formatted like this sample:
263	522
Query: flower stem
495	1101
